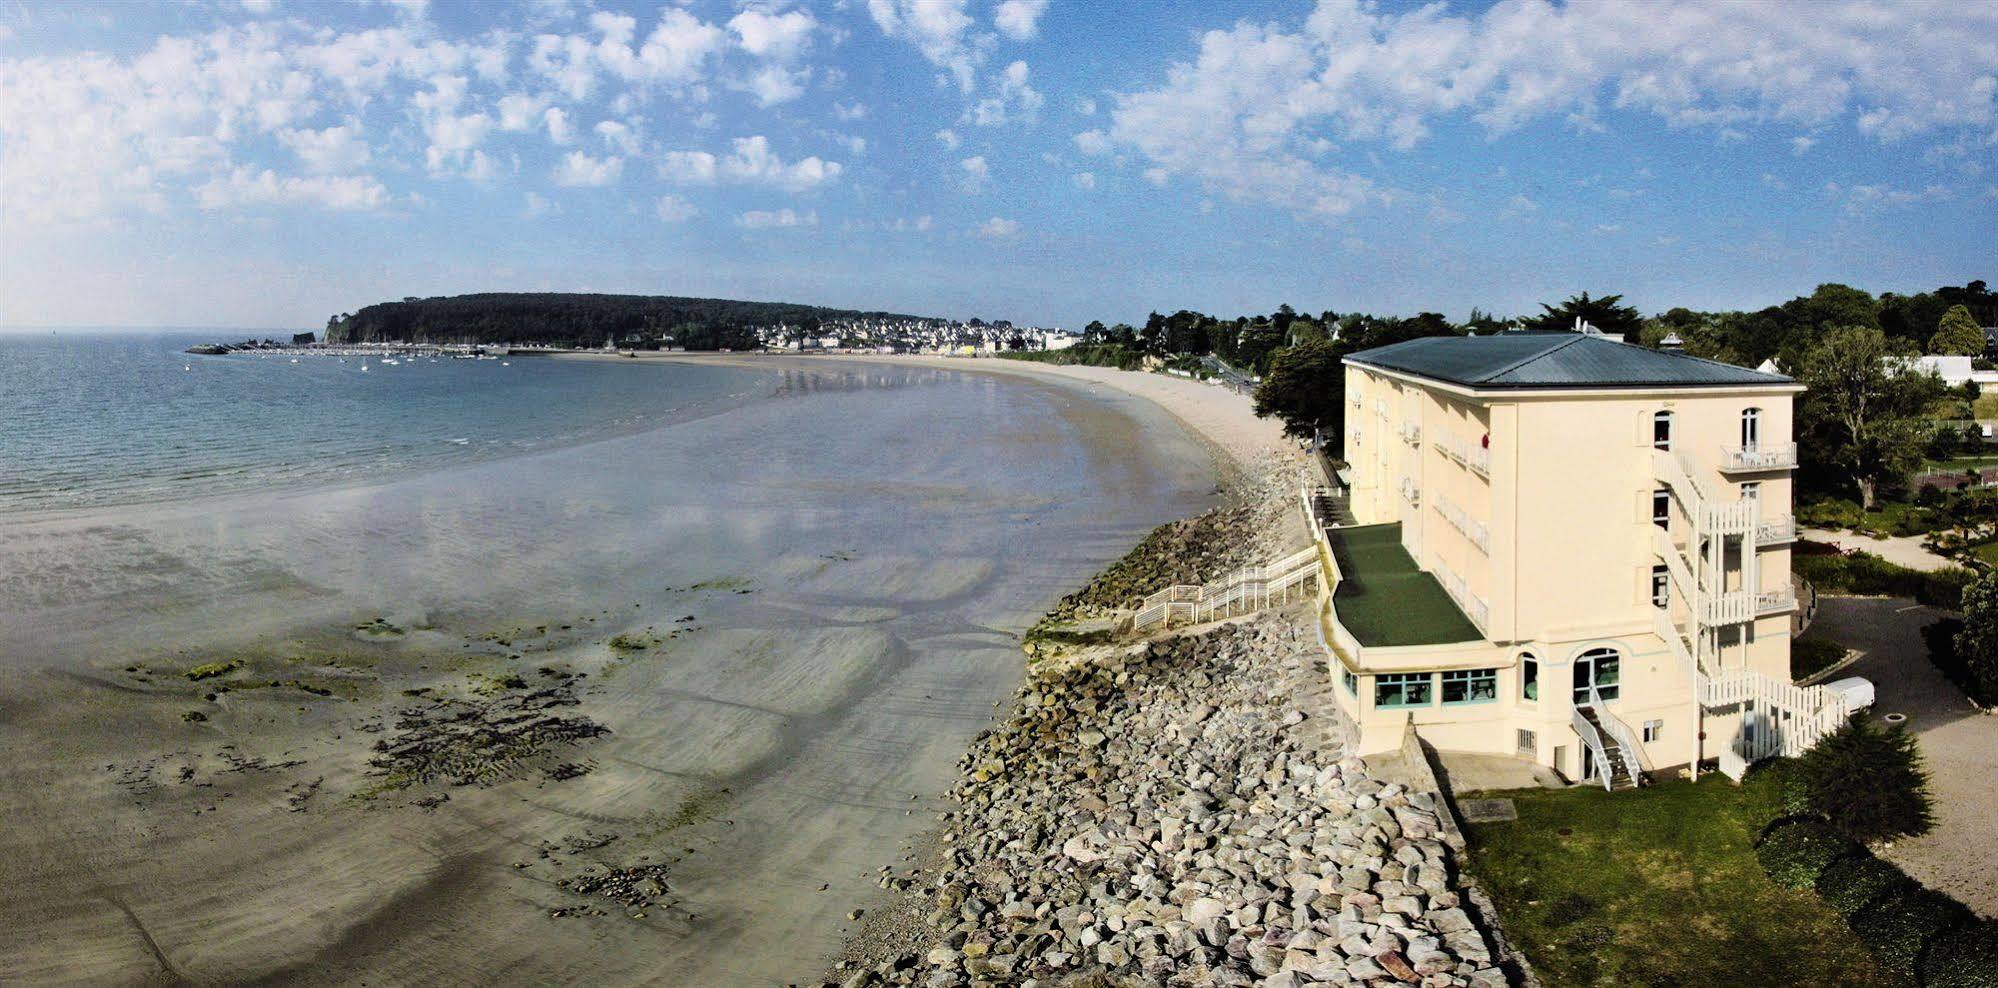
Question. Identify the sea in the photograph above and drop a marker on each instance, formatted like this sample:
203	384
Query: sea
106	418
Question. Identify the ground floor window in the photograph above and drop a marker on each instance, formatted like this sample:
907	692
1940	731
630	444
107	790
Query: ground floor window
1470	686
1652	730
1527	742
1529	677
1402	689
1351	682
1598	670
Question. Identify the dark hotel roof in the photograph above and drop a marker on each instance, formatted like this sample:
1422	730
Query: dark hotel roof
1554	360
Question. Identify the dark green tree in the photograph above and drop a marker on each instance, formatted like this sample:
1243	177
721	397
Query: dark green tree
1864	416
1306	388
1603	313
1957	333
1868	781
1977	643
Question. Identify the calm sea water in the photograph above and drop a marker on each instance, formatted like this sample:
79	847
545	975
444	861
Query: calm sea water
111	418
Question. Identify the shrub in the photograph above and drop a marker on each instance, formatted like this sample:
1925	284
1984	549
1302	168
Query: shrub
1869	782
1899	925
1810	655
1850	884
1865	573
1965	957
1795	852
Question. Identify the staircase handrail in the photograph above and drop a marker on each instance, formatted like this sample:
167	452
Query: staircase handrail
1587	732
1619	732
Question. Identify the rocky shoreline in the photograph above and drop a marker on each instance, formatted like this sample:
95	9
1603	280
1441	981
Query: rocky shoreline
1176	813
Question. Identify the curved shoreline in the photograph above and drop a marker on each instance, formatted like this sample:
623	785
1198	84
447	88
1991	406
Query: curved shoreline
885	658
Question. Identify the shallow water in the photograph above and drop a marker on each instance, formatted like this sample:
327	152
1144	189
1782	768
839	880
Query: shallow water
856	544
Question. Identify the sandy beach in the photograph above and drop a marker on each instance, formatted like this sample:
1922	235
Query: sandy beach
631	711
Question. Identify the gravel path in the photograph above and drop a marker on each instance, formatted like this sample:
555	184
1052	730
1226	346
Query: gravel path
1960	855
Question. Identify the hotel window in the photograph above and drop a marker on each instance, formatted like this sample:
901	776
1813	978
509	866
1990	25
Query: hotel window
1352	682
1751	428
1751	491
1527	743
1652	730
1661	430
1661	586
1661	508
1402	689
1598	670
1470	686
1529	677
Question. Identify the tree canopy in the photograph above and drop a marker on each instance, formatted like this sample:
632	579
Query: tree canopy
578	320
1957	333
1603	313
1865	413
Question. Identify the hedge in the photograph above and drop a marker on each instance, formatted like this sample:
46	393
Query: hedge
1866	573
1900	924
1850	884
1795	852
1966	957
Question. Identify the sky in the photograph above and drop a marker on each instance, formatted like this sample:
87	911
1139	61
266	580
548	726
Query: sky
269	163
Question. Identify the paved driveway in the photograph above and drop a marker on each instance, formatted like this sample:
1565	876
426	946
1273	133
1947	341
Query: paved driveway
1959	856
1901	550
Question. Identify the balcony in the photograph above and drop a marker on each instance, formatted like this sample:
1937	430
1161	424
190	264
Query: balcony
1381	599
1477	458
1411	433
1749	459
1411	491
1776	531
1775	602
1739	606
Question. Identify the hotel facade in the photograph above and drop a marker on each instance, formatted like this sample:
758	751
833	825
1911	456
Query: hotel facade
1568	550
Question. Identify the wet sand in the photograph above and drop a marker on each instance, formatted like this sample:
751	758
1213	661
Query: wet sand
732	661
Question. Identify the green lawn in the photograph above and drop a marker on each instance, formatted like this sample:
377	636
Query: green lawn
1658	886
1383	599
1985	407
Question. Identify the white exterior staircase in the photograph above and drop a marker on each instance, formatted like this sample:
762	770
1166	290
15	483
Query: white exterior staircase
1250	588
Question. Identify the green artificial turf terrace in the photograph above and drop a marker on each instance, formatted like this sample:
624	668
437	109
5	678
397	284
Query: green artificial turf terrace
1384	599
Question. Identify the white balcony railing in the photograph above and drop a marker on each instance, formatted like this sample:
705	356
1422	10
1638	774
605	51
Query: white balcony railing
1776	531
1775	601
1474	531
1472	455
1411	491
1781	456
1411	433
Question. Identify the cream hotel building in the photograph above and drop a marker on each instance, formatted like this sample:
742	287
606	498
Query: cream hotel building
1565	549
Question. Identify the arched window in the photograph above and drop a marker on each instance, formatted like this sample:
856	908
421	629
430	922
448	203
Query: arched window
1751	429
1661	430
1598	675
1529	677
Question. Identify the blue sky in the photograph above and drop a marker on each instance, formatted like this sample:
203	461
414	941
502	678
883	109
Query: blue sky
268	163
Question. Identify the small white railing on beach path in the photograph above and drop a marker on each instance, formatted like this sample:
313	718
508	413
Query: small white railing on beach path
1250	588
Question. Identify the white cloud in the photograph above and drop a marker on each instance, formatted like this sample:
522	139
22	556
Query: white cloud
538	206
1093	142
774	84
998	228
949	139
849	112
329	150
1800	145
520	112
1015	96
940	29
1085	107
676	53
1019	19
619	136
581	170
976	172
244	187
751	162
259	8
1252	114
1084	180
673	209
785	218
780	37
560	131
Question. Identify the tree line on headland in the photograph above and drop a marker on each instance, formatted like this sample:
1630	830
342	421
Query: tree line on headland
584	320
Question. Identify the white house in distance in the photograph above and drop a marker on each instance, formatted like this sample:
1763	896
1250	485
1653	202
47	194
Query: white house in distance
1568	550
